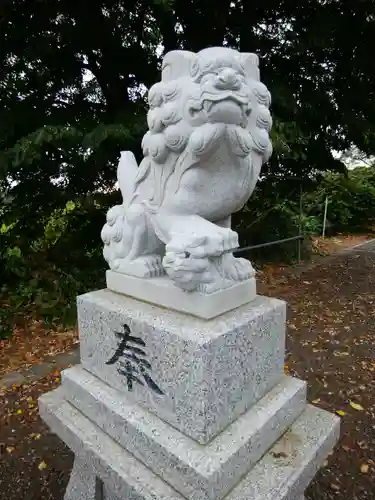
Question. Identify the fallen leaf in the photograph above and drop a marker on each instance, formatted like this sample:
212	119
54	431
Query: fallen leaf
364	468
34	436
335	486
362	445
356	406
42	465
10	449
346	448
340	412
28	356
19	412
316	401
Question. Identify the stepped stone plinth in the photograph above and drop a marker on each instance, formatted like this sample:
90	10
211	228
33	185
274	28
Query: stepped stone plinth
180	392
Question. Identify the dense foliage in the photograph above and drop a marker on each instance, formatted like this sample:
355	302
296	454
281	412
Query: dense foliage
351	200
73	77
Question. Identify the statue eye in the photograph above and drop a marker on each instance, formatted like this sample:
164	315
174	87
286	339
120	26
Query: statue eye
193	111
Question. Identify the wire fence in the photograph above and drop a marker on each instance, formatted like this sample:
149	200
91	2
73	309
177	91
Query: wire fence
298	238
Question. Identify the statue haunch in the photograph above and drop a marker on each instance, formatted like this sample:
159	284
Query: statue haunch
207	140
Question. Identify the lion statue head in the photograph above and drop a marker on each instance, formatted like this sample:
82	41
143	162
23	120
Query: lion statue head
203	99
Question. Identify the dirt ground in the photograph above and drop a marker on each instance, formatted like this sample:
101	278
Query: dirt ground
331	344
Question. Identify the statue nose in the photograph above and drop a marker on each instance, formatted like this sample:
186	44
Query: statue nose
227	80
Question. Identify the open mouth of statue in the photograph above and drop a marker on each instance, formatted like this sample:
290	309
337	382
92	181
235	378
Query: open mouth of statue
229	109
213	97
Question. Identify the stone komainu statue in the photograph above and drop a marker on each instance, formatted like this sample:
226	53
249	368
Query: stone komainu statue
208	137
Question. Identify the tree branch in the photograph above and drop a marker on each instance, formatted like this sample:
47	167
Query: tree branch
167	21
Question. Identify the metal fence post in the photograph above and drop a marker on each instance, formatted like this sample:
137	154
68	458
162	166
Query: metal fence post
325	218
300	223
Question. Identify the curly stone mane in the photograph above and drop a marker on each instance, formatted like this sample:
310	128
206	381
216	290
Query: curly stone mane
175	134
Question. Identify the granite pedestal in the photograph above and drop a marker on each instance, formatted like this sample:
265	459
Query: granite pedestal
167	405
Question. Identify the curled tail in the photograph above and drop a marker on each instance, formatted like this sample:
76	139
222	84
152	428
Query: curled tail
127	171
112	232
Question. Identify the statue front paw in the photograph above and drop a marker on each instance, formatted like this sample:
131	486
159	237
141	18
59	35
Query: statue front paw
237	269
147	266
213	243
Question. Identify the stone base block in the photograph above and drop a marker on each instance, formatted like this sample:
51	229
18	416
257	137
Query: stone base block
283	473
162	292
92	488
83	484
205	472
198	375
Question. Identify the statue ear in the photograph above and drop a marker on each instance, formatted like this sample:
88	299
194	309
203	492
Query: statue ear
176	64
251	65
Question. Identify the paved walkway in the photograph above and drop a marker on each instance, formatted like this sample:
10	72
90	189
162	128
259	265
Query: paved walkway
40	370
